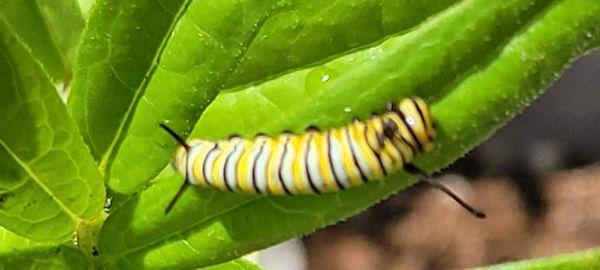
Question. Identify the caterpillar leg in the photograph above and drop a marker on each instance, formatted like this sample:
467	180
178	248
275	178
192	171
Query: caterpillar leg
425	178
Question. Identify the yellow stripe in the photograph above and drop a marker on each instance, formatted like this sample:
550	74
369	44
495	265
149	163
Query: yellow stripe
372	134
217	169
409	110
358	134
405	133
347	160
199	161
273	185
323	161
407	153
242	168
390	148
297	143
425	110
389	161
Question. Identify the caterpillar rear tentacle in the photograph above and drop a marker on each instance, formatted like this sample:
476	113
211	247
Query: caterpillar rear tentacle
312	162
425	178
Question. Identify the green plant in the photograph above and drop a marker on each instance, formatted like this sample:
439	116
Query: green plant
213	68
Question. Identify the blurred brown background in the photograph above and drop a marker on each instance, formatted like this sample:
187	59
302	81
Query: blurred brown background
537	179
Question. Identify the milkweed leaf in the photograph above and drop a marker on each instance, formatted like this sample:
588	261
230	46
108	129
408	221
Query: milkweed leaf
478	62
589	259
17	252
50	29
48	180
165	61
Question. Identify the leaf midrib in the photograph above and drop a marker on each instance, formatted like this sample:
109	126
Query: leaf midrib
63	57
25	167
187	228
531	20
106	159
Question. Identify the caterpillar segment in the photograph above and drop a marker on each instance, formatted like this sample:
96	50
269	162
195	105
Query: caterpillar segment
312	162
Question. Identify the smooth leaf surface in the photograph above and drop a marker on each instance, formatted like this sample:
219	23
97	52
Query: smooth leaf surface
116	54
50	29
478	62
17	252
48	180
574	261
12	244
125	85
85	7
239	264
51	257
58	257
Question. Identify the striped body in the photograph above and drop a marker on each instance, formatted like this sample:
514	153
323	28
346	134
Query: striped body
314	161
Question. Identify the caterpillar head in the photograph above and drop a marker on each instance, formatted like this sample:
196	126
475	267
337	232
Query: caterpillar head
418	116
179	160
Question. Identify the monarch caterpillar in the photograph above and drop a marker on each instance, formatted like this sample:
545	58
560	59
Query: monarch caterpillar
315	161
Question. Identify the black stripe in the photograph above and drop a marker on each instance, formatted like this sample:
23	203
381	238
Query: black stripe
377	155
422	118
362	174
403	158
306	169
382	136
410	129
406	142
204	165
398	149
335	176
225	167
280	169
254	168
410	145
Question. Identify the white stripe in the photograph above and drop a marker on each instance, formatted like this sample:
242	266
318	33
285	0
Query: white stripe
313	166
274	173
231	164
261	166
336	160
287	171
360	159
210	162
302	165
194	153
346	138
226	150
254	148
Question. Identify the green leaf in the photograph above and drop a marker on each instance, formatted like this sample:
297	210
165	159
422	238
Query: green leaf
479	62
12	244
58	257
239	264
50	29
118	50
17	252
579	260
122	90
86	6
29	255
48	181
